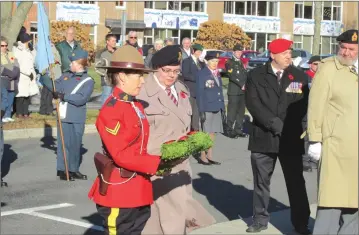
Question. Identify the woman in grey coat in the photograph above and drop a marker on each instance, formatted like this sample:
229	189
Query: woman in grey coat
158	45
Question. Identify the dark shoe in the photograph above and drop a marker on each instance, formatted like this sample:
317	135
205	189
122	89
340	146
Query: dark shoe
242	135
256	228
307	168
303	230
62	176
214	162
3	183
78	175
200	161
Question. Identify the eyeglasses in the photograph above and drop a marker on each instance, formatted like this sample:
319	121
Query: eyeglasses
168	71
133	37
4	45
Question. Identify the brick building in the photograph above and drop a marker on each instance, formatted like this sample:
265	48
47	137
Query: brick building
262	21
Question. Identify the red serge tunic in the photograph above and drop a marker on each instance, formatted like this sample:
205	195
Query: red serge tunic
124	131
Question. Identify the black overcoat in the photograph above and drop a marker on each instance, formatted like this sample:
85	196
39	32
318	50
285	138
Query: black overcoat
266	100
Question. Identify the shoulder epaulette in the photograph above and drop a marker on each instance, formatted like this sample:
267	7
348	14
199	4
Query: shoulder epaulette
111	102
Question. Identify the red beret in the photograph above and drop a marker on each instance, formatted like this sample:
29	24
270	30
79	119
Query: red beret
279	45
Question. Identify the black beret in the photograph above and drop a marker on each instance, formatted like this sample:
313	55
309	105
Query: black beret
169	55
349	36
25	37
211	55
238	47
314	59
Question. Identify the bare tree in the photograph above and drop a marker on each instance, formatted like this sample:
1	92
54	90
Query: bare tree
317	26
12	23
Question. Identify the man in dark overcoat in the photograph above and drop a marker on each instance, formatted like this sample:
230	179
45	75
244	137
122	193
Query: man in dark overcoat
277	97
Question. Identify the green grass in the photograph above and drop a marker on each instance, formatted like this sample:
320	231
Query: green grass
96	77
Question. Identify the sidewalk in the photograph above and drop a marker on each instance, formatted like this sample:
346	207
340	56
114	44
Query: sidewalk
279	224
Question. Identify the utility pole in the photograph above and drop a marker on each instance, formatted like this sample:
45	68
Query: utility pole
317	25
123	27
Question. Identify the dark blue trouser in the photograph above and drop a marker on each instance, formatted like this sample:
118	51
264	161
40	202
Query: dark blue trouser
73	133
1	145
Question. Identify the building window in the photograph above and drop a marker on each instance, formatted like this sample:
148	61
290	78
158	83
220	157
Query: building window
252	8
252	36
303	42
150	35
33	32
92	33
332	10
304	10
84	2
260	41
198	6
333	45
120	4
328	45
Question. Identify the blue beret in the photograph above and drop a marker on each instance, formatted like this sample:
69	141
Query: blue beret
81	54
169	55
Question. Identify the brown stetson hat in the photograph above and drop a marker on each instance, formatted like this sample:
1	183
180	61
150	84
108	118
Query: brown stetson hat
126	57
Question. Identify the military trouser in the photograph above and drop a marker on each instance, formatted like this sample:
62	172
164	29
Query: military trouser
124	221
1	147
73	133
235	112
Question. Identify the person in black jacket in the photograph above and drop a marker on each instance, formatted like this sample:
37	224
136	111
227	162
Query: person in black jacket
190	68
237	79
277	98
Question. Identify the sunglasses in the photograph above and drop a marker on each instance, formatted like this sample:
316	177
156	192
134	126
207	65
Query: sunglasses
133	37
3	45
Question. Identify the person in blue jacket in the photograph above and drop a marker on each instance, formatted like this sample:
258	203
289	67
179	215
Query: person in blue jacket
74	89
210	102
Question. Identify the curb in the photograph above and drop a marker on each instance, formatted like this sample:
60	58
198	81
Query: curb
40	132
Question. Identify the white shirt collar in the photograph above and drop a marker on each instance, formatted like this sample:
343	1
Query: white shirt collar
356	66
194	58
276	70
188	51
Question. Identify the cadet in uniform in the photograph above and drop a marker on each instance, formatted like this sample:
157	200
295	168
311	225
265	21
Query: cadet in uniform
124	131
74	89
236	106
190	68
276	97
333	138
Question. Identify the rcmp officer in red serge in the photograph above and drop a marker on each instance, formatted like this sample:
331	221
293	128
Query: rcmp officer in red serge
277	97
124	131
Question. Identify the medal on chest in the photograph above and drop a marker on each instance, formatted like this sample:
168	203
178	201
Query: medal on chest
139	113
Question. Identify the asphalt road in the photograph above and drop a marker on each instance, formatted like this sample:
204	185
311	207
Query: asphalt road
225	190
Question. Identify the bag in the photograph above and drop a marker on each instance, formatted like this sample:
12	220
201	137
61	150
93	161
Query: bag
63	105
104	166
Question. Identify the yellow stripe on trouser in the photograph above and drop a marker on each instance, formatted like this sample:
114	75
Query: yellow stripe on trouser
111	222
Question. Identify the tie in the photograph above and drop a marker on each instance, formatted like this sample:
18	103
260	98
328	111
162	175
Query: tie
172	97
278	77
354	69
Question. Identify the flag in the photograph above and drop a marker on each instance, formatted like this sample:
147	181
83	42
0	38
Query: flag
44	56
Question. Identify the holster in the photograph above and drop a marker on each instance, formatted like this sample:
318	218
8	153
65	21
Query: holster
104	166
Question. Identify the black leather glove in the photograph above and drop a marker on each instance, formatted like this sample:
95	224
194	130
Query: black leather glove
58	95
202	117
276	126
31	76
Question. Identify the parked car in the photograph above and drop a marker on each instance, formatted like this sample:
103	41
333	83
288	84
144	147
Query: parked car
305	65
263	58
246	56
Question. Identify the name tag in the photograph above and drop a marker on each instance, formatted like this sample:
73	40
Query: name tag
294	87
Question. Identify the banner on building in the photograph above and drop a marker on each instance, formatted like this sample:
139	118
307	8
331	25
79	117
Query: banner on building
84	13
328	28
174	19
254	24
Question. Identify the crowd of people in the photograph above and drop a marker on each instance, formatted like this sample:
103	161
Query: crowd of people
303	119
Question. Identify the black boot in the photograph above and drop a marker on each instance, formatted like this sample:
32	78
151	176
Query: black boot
62	176
3	183
78	175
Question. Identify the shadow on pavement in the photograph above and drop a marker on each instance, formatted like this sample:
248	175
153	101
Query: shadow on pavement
8	158
3	204
94	219
48	141
233	201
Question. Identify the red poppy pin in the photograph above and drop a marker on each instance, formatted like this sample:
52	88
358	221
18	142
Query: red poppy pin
290	76
12	58
78	78
183	94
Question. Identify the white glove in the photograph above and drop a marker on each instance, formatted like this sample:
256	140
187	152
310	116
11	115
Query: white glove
314	151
